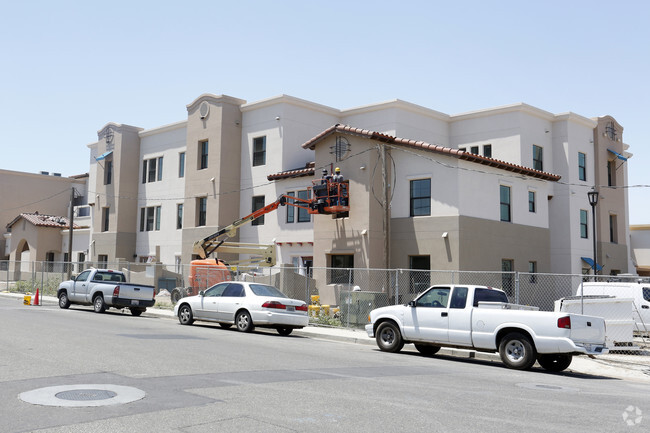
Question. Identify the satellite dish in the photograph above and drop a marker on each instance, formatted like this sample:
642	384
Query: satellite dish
204	109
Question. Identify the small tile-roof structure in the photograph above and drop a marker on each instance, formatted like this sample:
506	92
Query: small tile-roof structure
443	150
308	170
40	220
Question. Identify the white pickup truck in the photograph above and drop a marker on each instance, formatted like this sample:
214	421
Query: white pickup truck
104	288
480	318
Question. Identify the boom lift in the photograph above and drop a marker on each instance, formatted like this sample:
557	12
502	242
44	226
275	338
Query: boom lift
325	197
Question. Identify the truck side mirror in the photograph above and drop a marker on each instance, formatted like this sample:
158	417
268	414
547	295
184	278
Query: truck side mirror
201	293
412	304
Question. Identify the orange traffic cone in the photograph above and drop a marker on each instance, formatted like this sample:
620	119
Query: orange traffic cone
36	298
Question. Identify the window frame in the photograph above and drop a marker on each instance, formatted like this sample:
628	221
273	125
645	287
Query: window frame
105	219
181	164
291	210
303	214
108	171
505	205
532	201
179	216
413	199
487	150
259	151
257	203
201	211
538	157
204	151
582	166
584	224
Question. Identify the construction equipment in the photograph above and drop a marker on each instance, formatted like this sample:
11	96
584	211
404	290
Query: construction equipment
325	197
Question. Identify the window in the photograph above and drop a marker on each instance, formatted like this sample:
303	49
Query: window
341	265
258	203
462	149
538	156
488	295
459	298
105	219
181	164
646	293
150	218
420	197
582	166
201	211
505	203
160	161
507	277
532	270
437	297
108	172
259	151
474	150
611	173
234	290
102	261
290	209
303	214
583	224
152	169
613	232
179	216
487	151
531	201
203	154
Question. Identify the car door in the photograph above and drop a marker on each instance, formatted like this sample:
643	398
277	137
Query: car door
460	316
79	287
208	307
427	318
230	301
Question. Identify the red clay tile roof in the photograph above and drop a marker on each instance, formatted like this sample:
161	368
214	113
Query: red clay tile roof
44	221
365	133
297	172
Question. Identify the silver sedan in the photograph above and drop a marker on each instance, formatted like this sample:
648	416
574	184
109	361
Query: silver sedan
245	305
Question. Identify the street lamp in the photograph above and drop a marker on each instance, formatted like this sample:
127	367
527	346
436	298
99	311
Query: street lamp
593	201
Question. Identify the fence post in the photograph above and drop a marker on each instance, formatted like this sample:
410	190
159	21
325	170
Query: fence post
349	294
582	297
516	287
397	272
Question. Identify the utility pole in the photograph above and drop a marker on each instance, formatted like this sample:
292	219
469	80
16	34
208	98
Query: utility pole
71	221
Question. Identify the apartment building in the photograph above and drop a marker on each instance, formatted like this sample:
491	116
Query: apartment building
497	189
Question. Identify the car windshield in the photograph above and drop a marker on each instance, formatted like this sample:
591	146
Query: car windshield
264	290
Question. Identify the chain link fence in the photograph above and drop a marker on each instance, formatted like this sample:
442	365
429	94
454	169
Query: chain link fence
345	297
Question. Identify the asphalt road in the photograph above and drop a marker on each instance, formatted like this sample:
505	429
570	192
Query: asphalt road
207	379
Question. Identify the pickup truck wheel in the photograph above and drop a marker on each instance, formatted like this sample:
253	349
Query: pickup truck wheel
389	339
64	302
177	294
555	362
244	322
516	351
98	304
136	311
427	349
185	315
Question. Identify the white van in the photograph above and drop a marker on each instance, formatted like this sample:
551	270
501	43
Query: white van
639	292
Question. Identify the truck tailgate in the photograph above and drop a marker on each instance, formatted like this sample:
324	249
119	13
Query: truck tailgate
136	291
587	329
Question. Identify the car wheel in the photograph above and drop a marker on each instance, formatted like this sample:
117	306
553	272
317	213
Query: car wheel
427	349
285	331
64	302
185	315
244	322
389	339
517	351
225	325
98	304
136	311
555	362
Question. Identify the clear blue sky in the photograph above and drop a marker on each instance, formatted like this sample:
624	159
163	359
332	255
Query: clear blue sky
70	67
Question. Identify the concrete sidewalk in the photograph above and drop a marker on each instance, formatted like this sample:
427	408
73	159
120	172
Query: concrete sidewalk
627	367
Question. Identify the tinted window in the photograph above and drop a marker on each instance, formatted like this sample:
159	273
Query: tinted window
216	290
459	298
436	297
646	293
83	276
234	290
489	296
264	290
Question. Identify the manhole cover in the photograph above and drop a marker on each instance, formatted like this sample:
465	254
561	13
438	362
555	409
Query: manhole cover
86	394
83	395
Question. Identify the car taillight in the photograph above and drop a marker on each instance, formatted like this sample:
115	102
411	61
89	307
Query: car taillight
564	322
302	307
116	292
274	304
